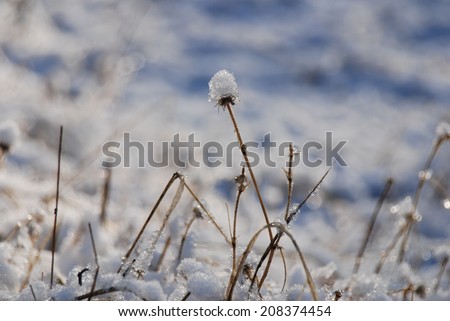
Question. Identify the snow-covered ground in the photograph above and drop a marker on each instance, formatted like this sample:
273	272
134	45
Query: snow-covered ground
374	73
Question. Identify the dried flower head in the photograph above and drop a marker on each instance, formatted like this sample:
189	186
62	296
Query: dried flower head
223	89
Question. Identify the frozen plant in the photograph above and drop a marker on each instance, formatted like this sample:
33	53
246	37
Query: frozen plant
223	89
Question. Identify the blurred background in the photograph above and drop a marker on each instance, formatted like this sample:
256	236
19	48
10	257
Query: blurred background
375	73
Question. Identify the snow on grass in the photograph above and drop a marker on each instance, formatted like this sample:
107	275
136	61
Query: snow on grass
373	73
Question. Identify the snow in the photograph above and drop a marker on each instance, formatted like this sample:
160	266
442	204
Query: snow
374	73
9	134
443	129
223	86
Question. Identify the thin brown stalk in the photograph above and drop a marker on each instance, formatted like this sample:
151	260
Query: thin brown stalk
35	258
371	225
152	212
55	214
389	249
284	268
184	236
169	212
97	268
309	279
411	217
106	291
163	253
241	264
105	194
242	181
441	273
207	212
290	180
186	296
249	167
337	295
32	292
274	243
243	258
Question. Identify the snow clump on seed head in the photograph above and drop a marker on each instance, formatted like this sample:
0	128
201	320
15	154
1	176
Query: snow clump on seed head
223	89
9	135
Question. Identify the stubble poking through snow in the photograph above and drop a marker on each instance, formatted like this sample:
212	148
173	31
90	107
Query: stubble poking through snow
223	89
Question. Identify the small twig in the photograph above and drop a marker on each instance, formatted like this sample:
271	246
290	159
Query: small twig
152	212
242	181
247	162
389	249
441	273
243	258
337	295
290	180
169	212
284	268
206	211
276	240
55	214
371	225
186	296
423	177
97	269
106	291
105	194
163	253
312	191
32	292
184	236
80	276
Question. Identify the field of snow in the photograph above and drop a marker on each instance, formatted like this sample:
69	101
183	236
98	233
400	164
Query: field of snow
374	73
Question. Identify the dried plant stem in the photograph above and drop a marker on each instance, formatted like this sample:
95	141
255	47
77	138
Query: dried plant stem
241	189
184	236
97	268
174	203
422	179
105	194
152	212
169	212
405	230
186	296
241	180
35	258
243	258
206	211
389	249
371	225
284	269
276	240
274	245
268	252
106	291
441	273
247	162
163	254
55	214
290	179
32	292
